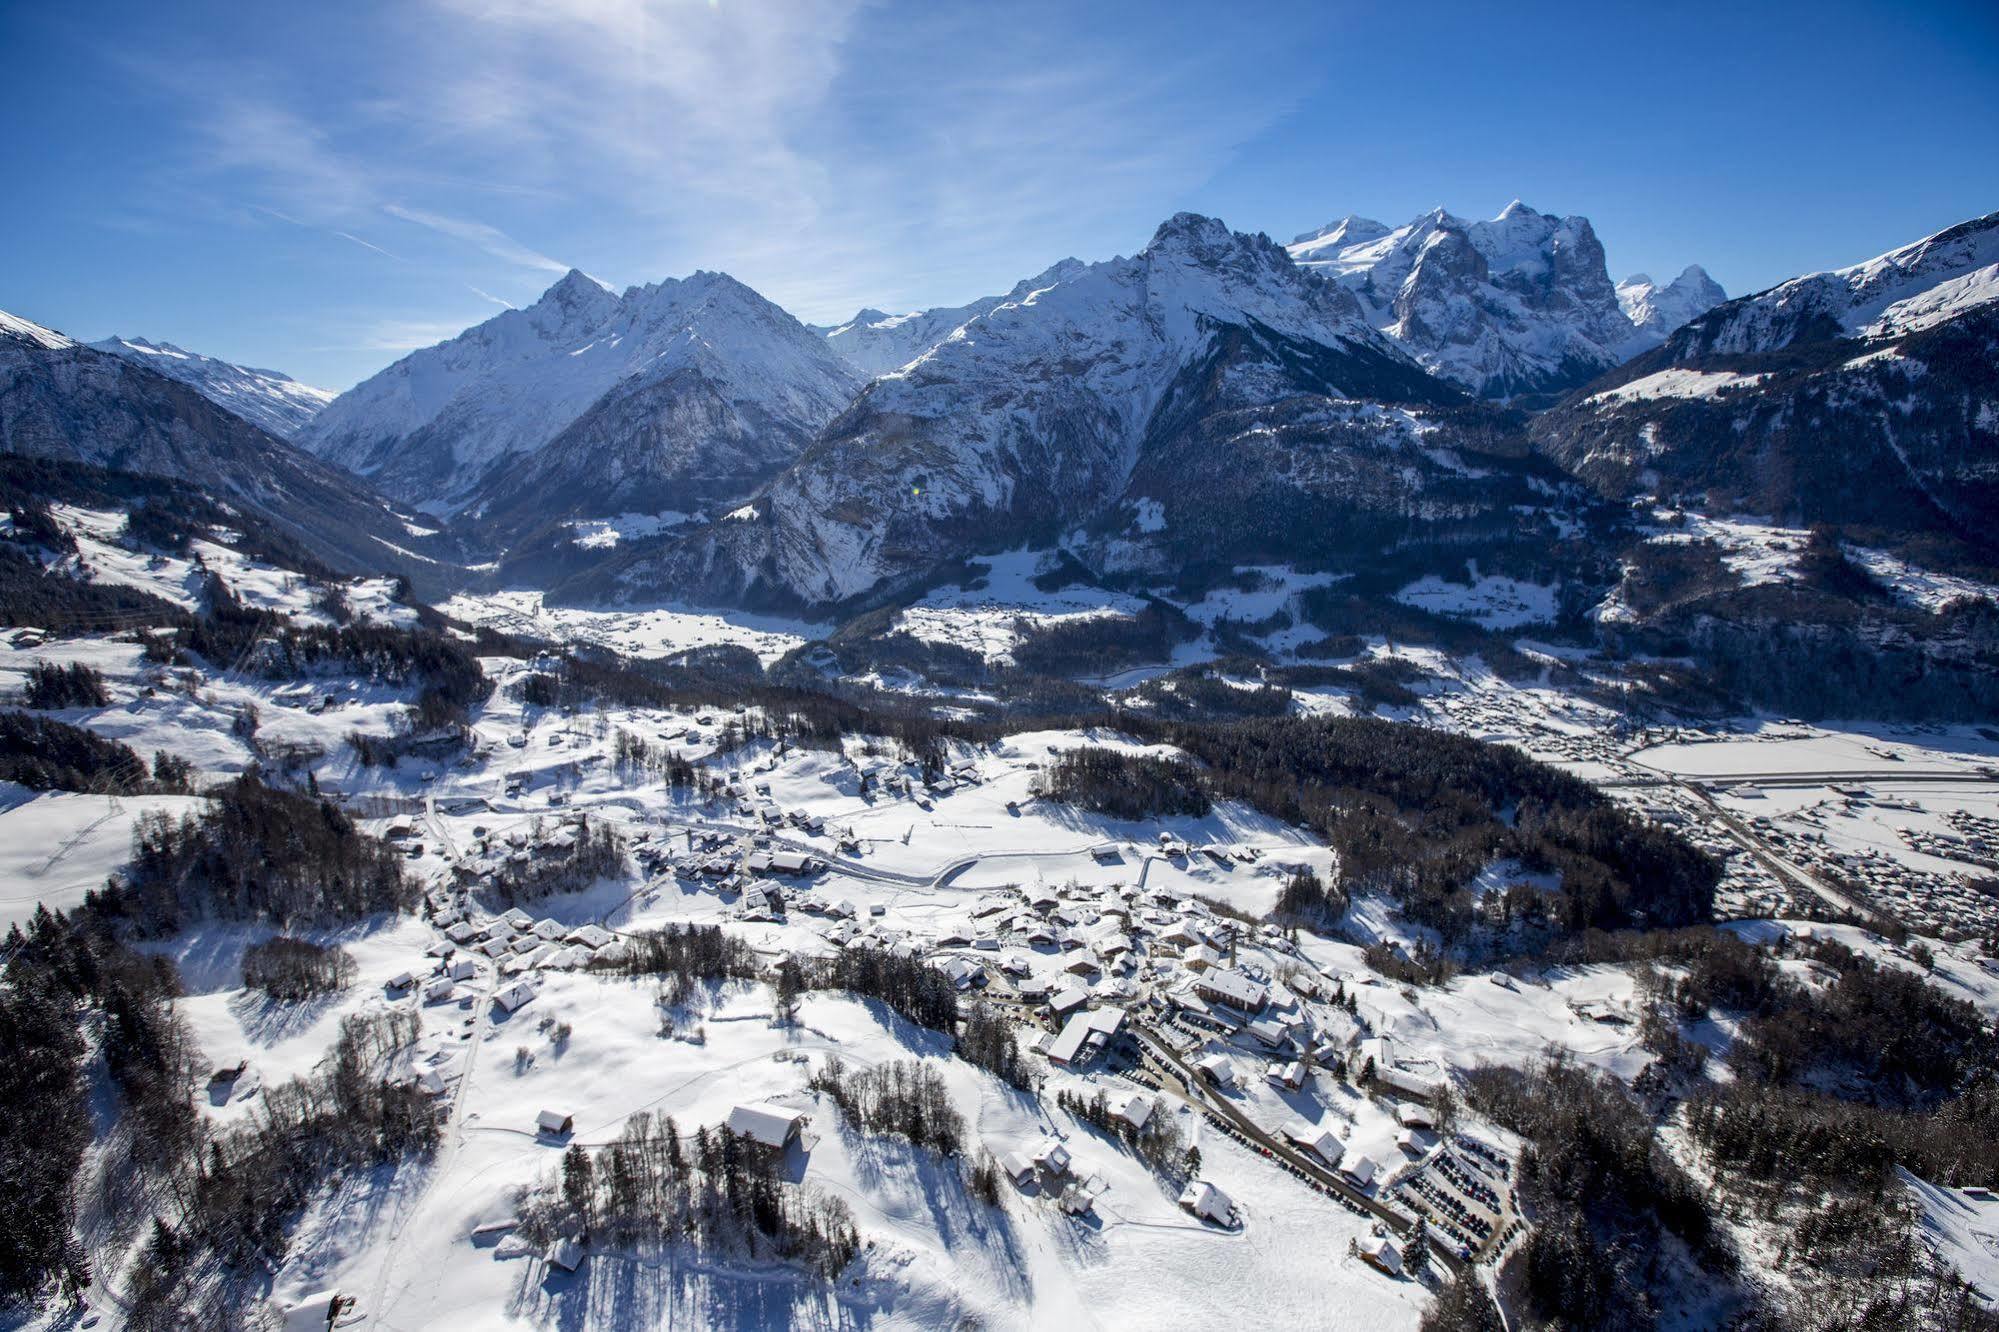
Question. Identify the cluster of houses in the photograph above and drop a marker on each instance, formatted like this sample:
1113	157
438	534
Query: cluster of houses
1940	901
514	943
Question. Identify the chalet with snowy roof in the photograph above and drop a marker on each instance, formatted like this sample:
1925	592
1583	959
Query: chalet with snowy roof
1134	1109
1290	1076
1379	1252
1220	985
962	972
1319	1140
1053	1157
772	1126
1068	999
511	998
1216	1068
1208	1202
554	1123
1408	1082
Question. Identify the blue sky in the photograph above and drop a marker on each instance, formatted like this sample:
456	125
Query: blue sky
320	188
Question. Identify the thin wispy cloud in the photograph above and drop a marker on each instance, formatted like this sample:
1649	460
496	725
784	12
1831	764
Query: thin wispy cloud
488	238
364	244
833	155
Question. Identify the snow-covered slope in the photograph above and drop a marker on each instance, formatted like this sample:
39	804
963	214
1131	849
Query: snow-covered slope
267	398
1864	396
1656	311
438	423
1903	291
1518	305
1035	413
69	403
13	328
875	343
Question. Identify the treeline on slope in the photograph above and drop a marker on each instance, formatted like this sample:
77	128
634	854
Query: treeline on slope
902	1098
690	952
236	1191
718	1193
162	512
1830	641
42	1141
52	687
1098	645
1416	813
44	754
909	986
242	1195
256	852
1606	1199
1838	1081
289	969
232	634
1122	785
1838	1078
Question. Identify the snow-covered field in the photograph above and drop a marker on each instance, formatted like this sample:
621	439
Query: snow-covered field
637	632
1493	601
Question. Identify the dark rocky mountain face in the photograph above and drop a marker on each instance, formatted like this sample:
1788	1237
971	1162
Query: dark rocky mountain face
70	403
1865	398
1035	417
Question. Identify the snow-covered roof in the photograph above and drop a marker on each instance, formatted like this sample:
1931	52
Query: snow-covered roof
311	1313
1204	1199
1076	1033
771	1125
1232	987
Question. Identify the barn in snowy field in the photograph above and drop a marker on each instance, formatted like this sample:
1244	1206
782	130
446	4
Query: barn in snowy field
773	1126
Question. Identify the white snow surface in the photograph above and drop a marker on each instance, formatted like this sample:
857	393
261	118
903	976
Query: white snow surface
511	384
1675	383
276	402
637	631
1495	305
875	343
1492	600
1909	288
28	331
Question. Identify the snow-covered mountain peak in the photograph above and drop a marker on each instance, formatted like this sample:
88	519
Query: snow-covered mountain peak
1193	235
576	300
17	329
433	426
1352	229
1656	311
1519	304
